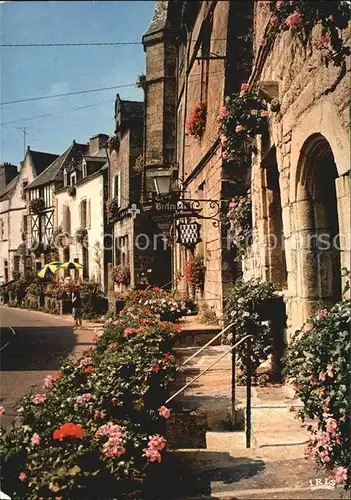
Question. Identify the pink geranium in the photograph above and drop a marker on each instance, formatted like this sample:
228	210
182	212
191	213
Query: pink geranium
239	128
164	412
224	112
35	439
340	474
157	442
294	19
321	42
322	376
22	476
330	371
246	314
321	314
152	455
48	381
233	313
38	399
224	140
331	425
244	87
313	380
2	410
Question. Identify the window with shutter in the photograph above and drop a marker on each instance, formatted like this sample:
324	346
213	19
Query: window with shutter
89	213
83	207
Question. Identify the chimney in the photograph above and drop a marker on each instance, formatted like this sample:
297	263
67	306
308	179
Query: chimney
97	142
7	173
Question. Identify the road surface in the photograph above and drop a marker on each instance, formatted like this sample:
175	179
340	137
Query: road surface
33	345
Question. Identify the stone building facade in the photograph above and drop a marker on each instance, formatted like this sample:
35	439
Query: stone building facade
301	175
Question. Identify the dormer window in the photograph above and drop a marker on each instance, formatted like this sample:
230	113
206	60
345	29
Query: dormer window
65	181
73	179
84	169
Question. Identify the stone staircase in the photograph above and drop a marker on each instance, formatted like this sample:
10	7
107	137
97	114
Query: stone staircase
207	458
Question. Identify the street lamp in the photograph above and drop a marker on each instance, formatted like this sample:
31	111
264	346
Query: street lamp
162	180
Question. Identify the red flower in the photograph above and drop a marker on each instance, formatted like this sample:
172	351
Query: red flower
129	331
177	326
156	369
58	375
69	430
89	369
166	357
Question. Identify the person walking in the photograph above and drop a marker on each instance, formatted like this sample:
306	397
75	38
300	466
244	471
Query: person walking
77	309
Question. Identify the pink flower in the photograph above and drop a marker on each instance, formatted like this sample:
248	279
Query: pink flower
85	362
264	113
152	455
2	410
239	128
35	439
22	476
246	314
331	425
330	371
164	412
322	376
84	398
321	314
294	19
109	429
340	474
48	381
233	313
157	442
321	42
38	399
254	112
313	380
224	112
244	87
325	456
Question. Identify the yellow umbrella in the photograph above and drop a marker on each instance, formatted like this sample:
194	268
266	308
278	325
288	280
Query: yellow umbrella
71	265
49	269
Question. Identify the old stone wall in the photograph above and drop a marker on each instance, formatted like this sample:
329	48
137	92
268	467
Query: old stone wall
314	106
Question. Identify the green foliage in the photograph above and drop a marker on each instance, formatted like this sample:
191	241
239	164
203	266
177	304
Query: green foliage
158	301
318	364
240	222
122	382
121	274
243	307
37	205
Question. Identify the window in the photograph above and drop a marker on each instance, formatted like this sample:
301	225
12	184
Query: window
6	270
25	224
116	188
205	54
23	186
83	213
84	168
2	229
65	181
73	179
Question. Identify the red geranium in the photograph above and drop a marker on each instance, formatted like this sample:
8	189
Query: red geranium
69	430
197	120
89	369
156	369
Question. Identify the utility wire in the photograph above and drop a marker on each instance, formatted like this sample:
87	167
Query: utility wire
88	44
66	94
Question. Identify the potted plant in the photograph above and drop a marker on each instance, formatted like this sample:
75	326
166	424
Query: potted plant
195	273
197	120
37	205
121	274
72	191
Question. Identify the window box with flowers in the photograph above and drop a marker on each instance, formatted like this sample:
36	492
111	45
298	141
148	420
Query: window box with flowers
81	235
113	143
302	16
37	206
243	116
197	120
194	274
112	206
121	275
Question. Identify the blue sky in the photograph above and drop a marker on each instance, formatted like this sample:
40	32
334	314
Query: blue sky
41	71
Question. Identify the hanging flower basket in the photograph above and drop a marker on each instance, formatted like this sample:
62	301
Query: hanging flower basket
112	206
37	206
113	143
194	273
81	235
197	120
121	275
240	222
72	191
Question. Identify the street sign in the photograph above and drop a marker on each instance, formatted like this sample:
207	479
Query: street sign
189	234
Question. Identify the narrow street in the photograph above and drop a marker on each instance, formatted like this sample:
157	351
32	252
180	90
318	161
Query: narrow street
33	344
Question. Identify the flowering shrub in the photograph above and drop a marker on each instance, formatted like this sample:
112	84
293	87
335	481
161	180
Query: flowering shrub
195	273
318	364
241	307
301	16
37	205
243	116
159	301
240	222
99	427
121	274
112	206
197	120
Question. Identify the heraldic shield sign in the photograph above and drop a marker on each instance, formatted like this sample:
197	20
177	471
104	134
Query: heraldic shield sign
189	234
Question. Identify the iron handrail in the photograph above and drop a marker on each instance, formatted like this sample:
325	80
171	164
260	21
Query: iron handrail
249	339
204	346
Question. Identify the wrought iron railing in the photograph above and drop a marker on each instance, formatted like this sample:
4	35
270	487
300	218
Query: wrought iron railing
248	339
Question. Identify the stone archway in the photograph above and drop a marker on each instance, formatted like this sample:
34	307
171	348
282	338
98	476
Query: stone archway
317	224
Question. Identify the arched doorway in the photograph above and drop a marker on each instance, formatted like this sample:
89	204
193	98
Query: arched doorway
317	223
